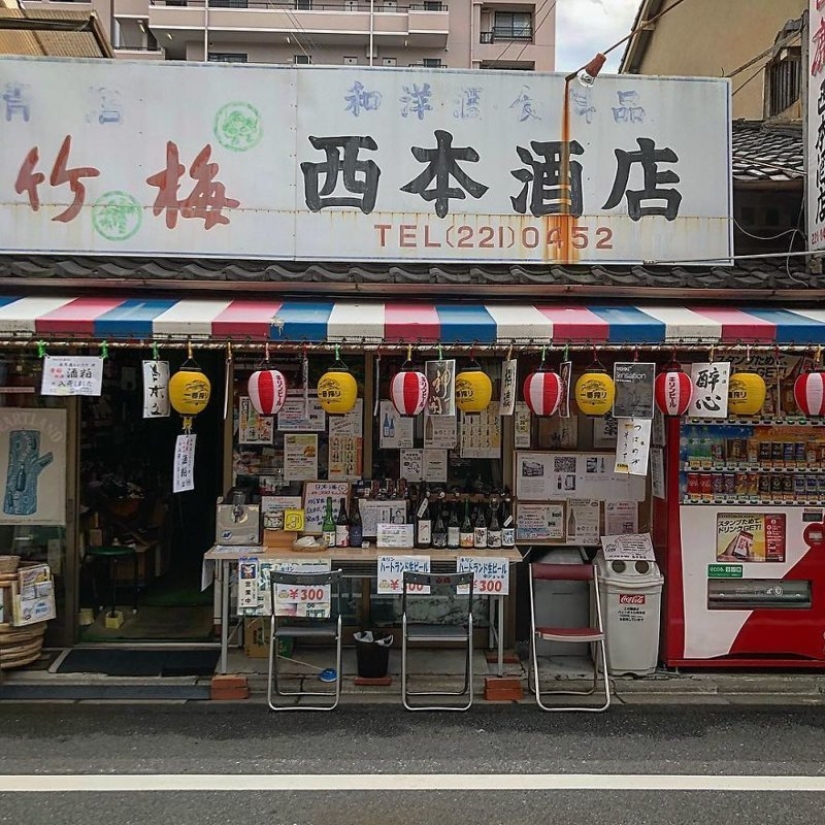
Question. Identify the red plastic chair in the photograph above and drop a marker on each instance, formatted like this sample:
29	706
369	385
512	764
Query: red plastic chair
572	635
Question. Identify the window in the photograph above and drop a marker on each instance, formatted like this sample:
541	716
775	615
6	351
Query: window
227	57
389	61
388	5
301	59
303	5
782	82
432	62
433	5
350	61
228	4
512	25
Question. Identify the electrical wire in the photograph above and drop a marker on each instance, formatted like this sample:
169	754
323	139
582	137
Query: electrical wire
744	231
538	25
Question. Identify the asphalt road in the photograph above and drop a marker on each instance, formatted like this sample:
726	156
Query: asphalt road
136	748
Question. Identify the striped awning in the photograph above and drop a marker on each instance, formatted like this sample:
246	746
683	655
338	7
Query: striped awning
165	319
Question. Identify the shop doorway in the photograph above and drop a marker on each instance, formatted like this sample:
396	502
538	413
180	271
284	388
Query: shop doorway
126	463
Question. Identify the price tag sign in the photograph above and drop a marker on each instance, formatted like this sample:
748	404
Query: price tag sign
492	576
310	602
391	573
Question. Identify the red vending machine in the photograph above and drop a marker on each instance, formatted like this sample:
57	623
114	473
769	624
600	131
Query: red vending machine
739	536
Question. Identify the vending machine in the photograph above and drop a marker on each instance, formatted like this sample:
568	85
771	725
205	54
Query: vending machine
740	538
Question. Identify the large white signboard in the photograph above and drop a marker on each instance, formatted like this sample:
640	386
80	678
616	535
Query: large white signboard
343	163
816	127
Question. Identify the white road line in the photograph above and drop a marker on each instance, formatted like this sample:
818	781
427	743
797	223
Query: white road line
39	783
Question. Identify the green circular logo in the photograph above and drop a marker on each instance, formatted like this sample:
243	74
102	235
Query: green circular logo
238	126
116	215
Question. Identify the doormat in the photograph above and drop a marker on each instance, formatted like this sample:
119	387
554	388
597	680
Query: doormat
120	662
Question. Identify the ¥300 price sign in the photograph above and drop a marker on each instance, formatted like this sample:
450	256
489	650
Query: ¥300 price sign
491	576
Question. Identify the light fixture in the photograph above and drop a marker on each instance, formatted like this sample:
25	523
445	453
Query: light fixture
587	76
169	35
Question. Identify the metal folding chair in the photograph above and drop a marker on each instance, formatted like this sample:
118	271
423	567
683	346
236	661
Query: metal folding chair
438	633
570	635
304	628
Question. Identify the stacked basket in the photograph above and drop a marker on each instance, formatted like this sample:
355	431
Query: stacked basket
18	645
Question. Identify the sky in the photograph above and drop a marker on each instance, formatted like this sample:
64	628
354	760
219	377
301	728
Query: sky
585	27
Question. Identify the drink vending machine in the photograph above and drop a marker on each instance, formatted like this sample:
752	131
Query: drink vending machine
740	538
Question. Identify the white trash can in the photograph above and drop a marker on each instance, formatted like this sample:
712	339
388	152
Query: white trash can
631	596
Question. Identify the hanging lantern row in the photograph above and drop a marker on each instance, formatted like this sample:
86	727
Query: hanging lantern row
473	389
595	390
409	389
673	390
543	390
809	389
189	390
267	388
337	388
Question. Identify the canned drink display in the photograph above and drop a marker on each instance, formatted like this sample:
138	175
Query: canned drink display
789	454
800	453
799	486
753	484
742	488
787	487
717	481
777	453
764	485
706	485
730	484
776	487
811	486
693	488
765	453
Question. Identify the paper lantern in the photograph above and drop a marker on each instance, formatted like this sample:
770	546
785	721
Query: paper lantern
189	390
473	389
267	391
337	389
543	390
595	391
409	390
674	390
746	393
809	393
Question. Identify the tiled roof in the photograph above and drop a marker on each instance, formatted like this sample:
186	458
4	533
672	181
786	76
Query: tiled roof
768	274
767	153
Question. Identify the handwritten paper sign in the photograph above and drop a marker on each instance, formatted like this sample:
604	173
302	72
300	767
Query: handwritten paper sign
509	388
72	375
253	428
441	378
315	501
491	576
710	390
155	389
183	471
391	571
637	547
633	446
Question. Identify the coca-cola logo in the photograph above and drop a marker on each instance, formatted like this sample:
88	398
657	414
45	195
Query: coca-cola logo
626	598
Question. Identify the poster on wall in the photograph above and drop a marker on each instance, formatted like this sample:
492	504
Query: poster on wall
295	417
634	389
521	426
440	431
300	456
396	431
33	456
350	423
540	522
254	428
605	432
441	378
72	375
481	434
621	517
751	537
155	389
583	522
345	457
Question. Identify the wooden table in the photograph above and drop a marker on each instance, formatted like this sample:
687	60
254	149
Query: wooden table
356	563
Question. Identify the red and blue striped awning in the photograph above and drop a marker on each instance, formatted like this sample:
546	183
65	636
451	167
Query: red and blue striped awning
168	319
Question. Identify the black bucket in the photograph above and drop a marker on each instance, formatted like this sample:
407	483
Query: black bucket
373	655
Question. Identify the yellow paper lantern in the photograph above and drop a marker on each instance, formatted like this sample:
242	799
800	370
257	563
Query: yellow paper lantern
189	390
473	389
746	393
595	391
337	389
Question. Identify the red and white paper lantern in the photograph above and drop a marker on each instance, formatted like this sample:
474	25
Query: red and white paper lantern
674	390
267	391
409	391
542	391
809	393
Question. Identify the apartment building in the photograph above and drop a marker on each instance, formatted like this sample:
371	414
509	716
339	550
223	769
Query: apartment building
505	34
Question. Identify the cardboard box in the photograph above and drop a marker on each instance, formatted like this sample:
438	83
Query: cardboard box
279	539
256	639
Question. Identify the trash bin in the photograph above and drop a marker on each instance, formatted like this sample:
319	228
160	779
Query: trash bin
631	594
566	604
372	654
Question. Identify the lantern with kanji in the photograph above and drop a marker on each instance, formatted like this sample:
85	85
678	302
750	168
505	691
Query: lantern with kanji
809	393
746	393
543	390
409	389
473	389
267	388
595	391
189	390
673	390
337	388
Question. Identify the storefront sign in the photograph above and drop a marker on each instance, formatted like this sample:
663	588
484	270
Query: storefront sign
72	375
710	390
751	537
449	166
815	114
391	573
491	576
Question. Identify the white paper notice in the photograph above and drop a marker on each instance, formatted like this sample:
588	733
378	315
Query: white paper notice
521	424
351	423
412	462
633	446
657	471
710	390
72	375
509	388
540	522
183	472
396	431
440	431
254	428
621	517
155	389
300	457
435	466
638	547
291	418
481	434
583	521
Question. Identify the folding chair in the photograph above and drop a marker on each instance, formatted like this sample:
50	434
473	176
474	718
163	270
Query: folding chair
572	635
438	633
304	628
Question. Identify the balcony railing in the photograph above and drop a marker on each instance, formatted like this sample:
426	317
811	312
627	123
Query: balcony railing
308	5
503	33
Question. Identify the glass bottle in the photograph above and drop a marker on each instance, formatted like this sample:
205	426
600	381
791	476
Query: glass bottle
494	532
440	529
480	529
508	528
423	522
466	534
342	526
571	525
453	528
328	525
356	526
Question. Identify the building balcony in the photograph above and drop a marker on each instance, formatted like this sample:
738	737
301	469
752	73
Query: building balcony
346	22
133	53
503	34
